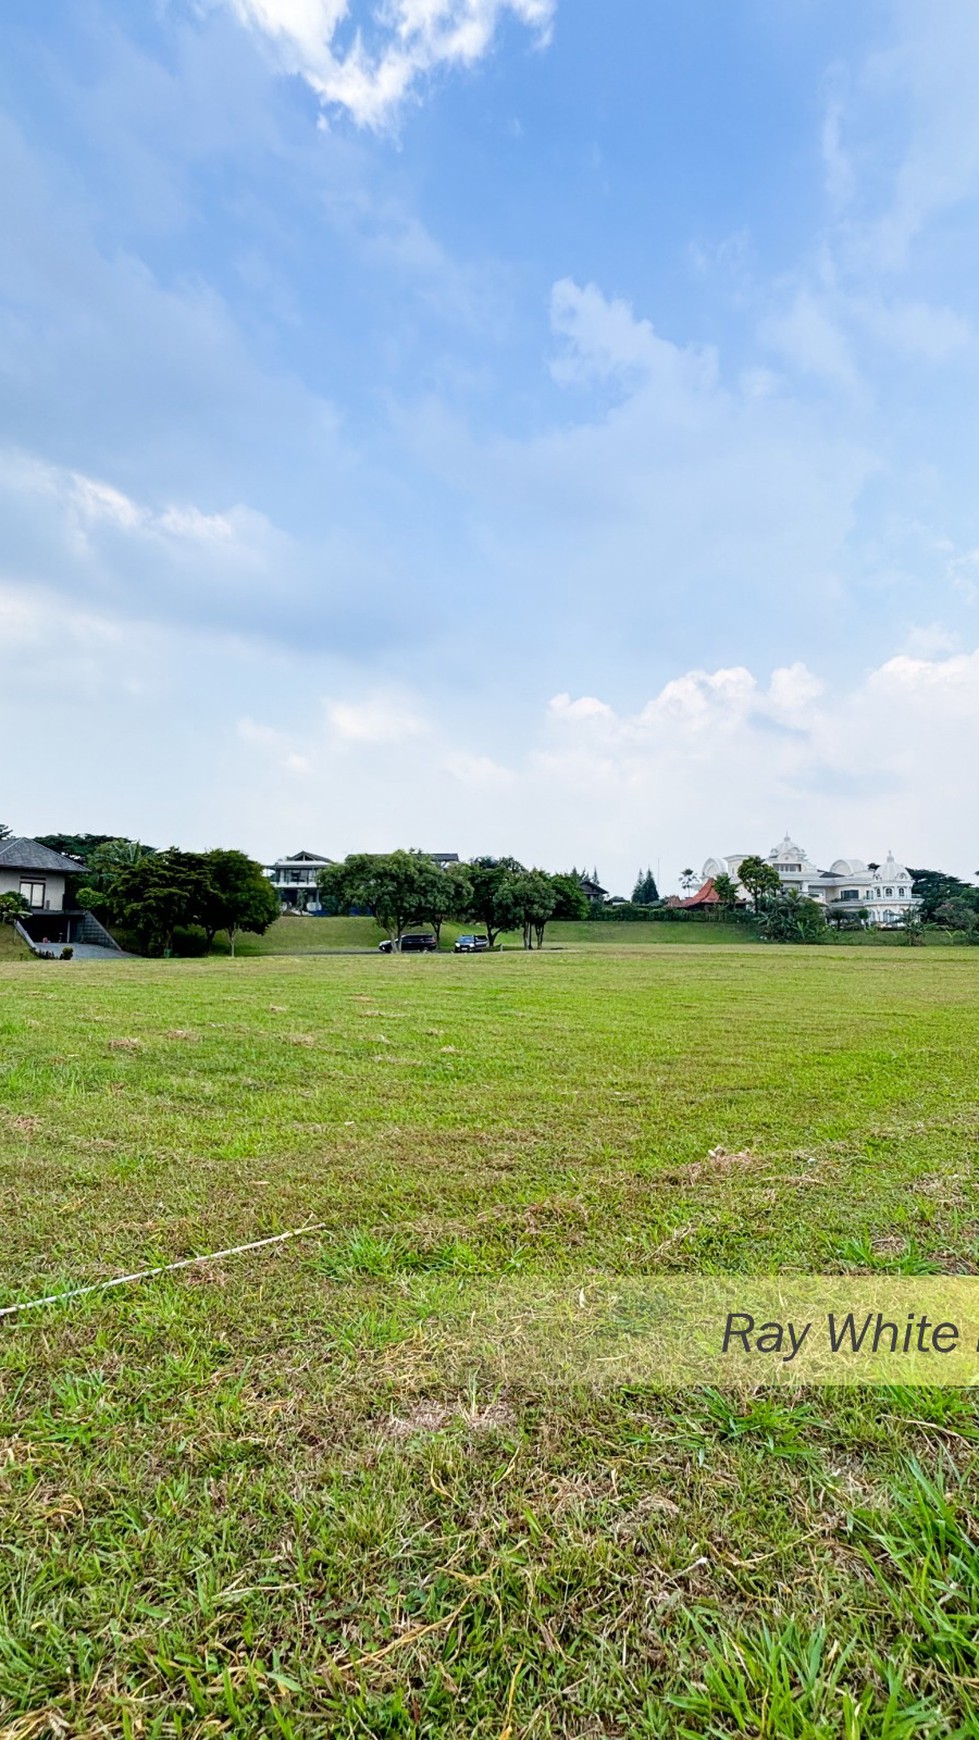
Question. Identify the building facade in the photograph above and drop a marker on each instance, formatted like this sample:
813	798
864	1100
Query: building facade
881	891
294	880
36	873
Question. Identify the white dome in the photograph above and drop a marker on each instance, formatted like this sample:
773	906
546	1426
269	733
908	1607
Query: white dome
714	867
848	867
787	852
891	871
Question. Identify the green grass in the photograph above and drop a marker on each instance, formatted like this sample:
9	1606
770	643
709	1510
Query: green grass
323	935
248	1500
12	947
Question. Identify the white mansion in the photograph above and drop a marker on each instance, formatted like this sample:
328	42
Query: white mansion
882	890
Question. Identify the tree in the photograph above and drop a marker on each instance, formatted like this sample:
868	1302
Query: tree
12	907
534	898
933	888
571	901
912	926
848	915
391	885
103	866
446	893
5	833
761	880
726	891
79	846
157	895
956	914
646	892
237	895
493	904
792	917
687	879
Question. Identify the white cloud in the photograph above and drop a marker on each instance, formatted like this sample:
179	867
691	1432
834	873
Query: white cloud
715	761
807	335
410	39
380	718
605	341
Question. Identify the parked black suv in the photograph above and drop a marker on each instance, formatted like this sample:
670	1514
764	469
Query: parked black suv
420	942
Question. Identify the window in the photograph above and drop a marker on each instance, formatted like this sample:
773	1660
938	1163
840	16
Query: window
850	894
890	893
33	893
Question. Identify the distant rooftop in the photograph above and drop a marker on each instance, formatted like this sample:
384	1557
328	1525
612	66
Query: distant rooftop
24	854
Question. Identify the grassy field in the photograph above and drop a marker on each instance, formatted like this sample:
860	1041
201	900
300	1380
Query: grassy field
245	1500
319	935
11	947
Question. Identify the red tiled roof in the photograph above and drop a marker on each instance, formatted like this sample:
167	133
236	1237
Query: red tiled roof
705	896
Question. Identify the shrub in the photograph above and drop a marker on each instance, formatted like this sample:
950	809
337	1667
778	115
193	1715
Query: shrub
67	952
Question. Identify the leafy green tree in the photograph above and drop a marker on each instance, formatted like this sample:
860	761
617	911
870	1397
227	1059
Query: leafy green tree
534	898
792	917
646	892
446	893
956	914
726	890
12	907
5	832
848	915
79	846
570	899
104	865
391	886
913	926
933	888
493	904
237	896
761	880
157	895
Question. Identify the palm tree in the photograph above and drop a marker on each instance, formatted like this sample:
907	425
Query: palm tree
687	880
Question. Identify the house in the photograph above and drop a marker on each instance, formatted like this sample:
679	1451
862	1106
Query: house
443	858
40	876
593	890
705	899
294	880
881	891
36	873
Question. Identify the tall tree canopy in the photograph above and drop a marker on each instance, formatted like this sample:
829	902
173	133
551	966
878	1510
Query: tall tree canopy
645	892
761	880
394	887
75	845
237	896
493	904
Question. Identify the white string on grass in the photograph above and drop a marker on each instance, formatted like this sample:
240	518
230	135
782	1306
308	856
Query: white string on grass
164	1269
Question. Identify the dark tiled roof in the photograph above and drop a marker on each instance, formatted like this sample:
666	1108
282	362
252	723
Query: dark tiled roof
29	855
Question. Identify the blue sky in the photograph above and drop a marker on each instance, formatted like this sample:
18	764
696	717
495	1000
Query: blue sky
518	425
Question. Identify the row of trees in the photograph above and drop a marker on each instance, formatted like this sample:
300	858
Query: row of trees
155	894
399	889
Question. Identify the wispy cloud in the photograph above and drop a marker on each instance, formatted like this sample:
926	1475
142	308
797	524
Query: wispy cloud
369	65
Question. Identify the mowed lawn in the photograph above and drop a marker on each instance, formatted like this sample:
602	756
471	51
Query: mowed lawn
245	1499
